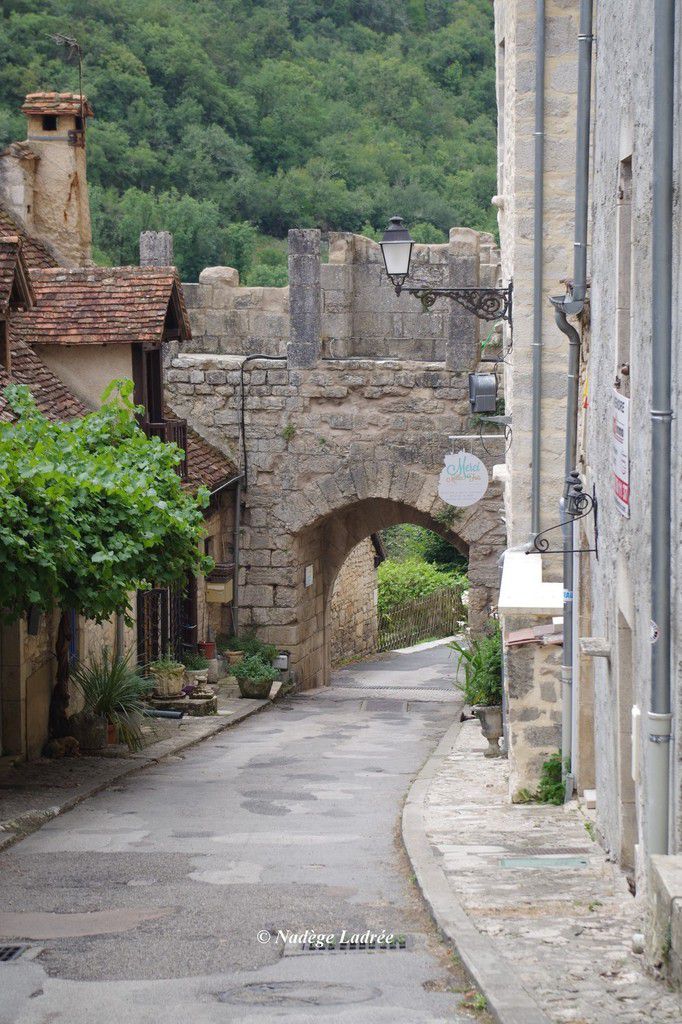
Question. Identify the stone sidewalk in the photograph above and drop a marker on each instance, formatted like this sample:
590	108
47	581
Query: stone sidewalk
33	792
565	931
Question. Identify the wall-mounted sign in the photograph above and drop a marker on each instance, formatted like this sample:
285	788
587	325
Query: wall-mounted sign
464	480
308	576
620	452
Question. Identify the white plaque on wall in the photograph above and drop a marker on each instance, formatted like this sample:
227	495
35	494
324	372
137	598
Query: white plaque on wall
464	480
620	452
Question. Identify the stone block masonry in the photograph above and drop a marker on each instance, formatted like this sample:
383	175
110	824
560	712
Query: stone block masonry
354	619
334	449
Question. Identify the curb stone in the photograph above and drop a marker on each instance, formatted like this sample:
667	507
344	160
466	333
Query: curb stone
507	1000
22	825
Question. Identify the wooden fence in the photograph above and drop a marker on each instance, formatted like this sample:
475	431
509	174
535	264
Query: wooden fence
439	614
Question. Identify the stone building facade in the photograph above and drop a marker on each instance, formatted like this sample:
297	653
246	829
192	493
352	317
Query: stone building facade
612	602
617	372
67	329
353	614
533	671
345	426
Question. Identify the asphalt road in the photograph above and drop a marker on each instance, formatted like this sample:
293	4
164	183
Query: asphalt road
162	899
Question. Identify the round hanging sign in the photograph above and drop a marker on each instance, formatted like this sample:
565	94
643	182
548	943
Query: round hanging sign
464	480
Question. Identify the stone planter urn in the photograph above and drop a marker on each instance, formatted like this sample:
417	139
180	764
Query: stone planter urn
256	689
168	680
490	718
234	657
90	730
198	678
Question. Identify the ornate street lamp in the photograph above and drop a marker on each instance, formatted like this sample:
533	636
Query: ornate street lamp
485	303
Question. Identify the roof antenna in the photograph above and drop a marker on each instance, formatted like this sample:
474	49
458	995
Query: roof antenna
74	53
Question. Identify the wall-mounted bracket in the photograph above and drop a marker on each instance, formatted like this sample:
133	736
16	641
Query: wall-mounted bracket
579	505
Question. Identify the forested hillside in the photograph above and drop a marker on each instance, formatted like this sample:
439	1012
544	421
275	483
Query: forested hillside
229	120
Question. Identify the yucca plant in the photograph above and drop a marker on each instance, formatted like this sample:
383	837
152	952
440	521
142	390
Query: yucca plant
112	689
481	659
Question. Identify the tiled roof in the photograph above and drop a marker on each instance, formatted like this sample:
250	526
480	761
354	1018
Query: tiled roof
34	252
102	306
205	464
55	103
52	397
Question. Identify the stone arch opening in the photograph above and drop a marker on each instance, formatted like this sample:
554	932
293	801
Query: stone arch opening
323	547
356	628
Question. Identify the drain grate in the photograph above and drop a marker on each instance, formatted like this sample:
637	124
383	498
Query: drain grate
334	946
548	861
9	953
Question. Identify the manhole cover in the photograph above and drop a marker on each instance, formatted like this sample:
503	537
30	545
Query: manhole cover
9	953
544	862
305	993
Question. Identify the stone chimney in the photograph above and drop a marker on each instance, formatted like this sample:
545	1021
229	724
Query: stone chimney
43	181
156	249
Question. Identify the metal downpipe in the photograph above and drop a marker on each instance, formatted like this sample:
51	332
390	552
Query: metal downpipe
568	532
237	554
538	264
659	718
564	306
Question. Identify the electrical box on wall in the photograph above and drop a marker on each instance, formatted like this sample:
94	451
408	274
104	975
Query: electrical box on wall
482	392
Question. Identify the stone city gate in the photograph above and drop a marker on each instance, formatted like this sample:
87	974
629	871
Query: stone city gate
344	427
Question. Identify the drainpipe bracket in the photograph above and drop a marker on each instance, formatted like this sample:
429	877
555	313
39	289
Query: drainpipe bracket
659	727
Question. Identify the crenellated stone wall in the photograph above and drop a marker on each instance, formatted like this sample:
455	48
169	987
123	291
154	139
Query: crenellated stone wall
347	302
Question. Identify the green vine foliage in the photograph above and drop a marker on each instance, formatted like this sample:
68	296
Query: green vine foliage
90	509
481	660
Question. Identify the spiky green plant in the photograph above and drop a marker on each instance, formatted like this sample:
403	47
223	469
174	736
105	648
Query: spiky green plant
481	659
111	688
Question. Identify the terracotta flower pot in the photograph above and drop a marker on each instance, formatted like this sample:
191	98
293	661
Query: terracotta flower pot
234	657
112	733
490	718
207	648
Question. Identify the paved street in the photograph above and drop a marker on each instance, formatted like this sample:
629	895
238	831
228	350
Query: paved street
147	899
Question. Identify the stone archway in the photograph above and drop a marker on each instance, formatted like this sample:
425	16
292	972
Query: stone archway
345	424
325	544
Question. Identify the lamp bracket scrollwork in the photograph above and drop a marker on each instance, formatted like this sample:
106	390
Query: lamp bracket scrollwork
579	505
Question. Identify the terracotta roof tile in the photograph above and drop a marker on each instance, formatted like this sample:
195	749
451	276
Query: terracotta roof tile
34	252
102	306
52	396
206	464
55	103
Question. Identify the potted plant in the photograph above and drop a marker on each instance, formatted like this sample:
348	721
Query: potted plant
481	659
196	667
207	648
255	677
233	650
112	692
167	675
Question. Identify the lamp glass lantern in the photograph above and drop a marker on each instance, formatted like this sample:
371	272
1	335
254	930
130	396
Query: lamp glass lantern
396	248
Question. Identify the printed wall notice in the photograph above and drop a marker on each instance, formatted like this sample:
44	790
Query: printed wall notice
464	480
620	452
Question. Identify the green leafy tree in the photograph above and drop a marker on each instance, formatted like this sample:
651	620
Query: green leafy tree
285	113
90	510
